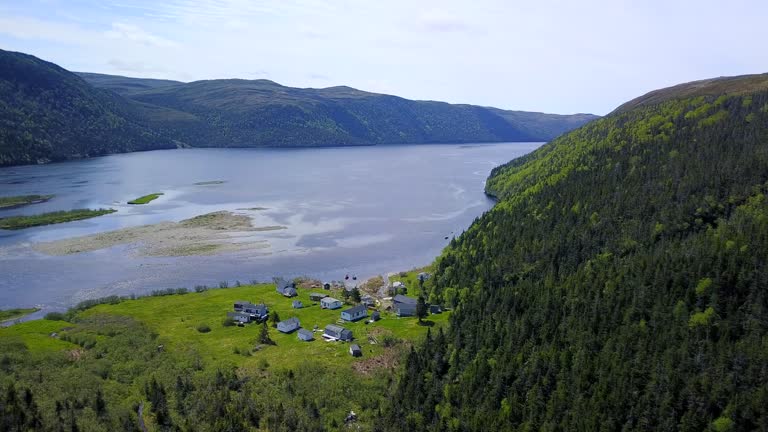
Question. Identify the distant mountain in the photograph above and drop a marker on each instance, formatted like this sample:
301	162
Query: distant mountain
620	283
255	113
49	114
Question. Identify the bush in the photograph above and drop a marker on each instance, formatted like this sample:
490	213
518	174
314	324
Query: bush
200	288
228	322
223	284
55	316
203	328
181	291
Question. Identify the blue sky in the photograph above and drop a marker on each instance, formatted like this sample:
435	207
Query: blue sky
544	55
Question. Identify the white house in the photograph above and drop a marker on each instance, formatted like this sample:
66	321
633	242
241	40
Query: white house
330	303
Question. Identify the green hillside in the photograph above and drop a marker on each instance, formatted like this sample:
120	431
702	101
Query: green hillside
49	114
255	113
619	284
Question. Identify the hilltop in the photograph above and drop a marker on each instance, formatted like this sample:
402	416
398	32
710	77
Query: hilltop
618	284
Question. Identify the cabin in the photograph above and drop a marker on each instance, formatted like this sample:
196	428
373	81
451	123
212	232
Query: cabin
397	285
336	332
285	287
355	351
404	309
257	312
240	317
404	300
326	286
330	303
368	300
435	309
297	304
375	316
288	325
317	296
305	335
354	313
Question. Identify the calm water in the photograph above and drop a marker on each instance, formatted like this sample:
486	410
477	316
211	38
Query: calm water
362	211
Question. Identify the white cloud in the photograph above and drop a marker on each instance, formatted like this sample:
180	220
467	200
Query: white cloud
135	34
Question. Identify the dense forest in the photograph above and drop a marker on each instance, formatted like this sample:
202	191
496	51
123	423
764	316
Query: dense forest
621	283
50	114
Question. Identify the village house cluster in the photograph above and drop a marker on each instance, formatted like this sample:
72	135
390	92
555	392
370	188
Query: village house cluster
401	305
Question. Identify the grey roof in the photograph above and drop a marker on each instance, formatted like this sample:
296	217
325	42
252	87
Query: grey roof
335	328
305	332
355	347
403	299
293	320
355	309
329	299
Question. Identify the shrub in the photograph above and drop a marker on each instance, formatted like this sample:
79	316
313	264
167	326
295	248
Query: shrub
203	328
200	288
223	284
55	316
228	322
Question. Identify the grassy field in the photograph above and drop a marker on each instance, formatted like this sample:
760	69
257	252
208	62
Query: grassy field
22	200
411	280
175	318
146	198
21	222
9	314
36	335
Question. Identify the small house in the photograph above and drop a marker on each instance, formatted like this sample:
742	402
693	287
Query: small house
404	309
337	332
240	317
355	351
330	303
297	304
435	309
375	316
317	296
368	300
305	335
285	287
326	286
397	285
257	312
354	313
404	300
288	325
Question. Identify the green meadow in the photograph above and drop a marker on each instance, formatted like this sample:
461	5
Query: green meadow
146	199
21	222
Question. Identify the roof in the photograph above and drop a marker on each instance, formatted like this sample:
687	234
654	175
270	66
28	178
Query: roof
297	302
355	347
355	309
293	320
318	294
305	332
335	328
405	306
403	299
329	299
242	302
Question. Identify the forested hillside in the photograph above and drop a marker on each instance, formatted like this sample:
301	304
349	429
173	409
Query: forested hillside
49	114
256	113
619	284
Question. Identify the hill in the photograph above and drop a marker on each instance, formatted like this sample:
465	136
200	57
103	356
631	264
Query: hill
619	284
124	85
255	113
49	114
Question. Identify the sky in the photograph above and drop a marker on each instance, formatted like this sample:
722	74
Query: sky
535	55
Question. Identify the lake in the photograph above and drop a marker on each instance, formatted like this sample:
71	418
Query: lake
360	211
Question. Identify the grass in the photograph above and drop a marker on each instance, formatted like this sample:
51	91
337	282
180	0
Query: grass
411	280
36	335
21	222
146	198
10	314
22	200
176	319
